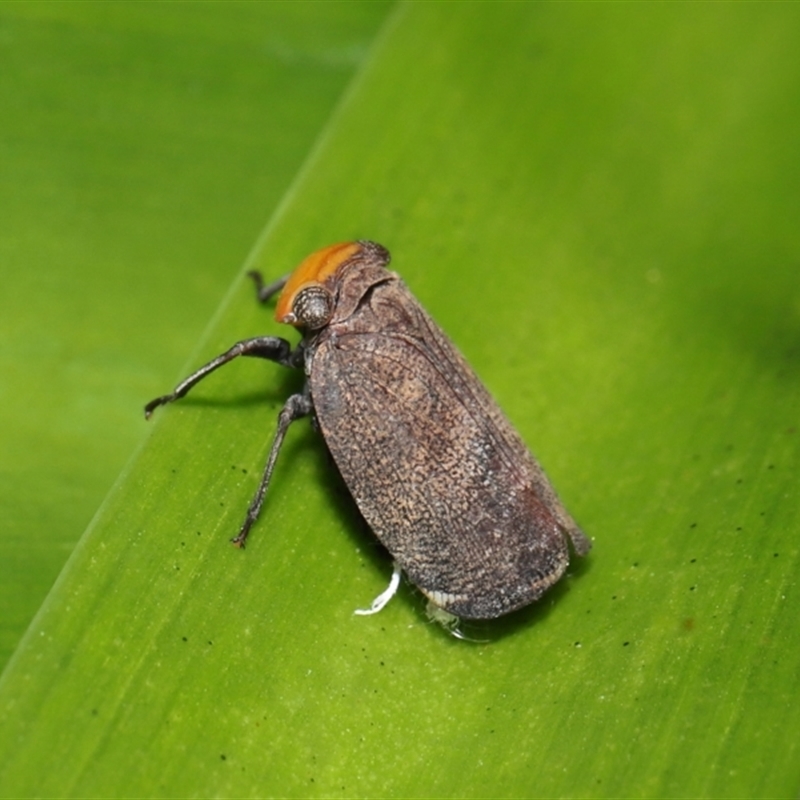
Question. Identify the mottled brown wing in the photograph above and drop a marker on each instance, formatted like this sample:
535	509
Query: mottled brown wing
436	469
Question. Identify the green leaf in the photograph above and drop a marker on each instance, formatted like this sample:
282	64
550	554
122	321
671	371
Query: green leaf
598	202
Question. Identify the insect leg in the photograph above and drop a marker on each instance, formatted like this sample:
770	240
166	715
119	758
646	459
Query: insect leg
298	405
264	291
272	348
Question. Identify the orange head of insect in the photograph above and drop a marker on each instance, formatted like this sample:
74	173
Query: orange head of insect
306	300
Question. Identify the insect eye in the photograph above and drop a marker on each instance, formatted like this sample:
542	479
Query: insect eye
313	307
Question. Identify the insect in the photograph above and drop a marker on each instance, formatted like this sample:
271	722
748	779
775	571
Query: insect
437	471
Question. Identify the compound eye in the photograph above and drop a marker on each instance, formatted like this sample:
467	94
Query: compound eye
312	307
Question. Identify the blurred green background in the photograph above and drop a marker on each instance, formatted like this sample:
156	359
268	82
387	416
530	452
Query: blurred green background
598	202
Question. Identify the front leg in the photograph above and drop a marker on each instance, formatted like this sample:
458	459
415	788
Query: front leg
273	348
266	291
298	405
